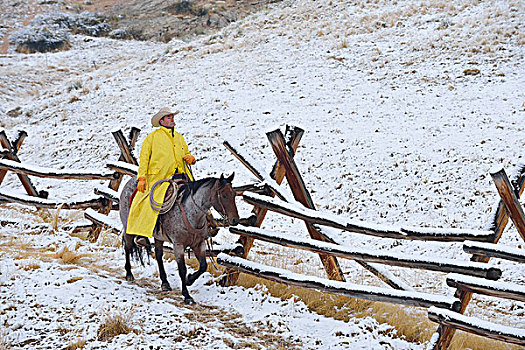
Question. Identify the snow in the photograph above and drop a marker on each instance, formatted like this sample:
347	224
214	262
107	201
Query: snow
396	135
486	284
479	324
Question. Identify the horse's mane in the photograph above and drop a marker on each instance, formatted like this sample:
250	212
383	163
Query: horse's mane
193	186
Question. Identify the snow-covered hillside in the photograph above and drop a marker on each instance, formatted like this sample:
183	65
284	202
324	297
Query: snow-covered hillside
407	105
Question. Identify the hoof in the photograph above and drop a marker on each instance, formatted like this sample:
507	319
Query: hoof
130	278
165	287
189	301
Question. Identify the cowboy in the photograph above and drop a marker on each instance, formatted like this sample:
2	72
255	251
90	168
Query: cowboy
164	154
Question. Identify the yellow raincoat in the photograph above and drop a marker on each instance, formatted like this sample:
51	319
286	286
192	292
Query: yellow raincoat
160	157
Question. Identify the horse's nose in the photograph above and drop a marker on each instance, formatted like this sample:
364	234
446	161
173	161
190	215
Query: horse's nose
235	221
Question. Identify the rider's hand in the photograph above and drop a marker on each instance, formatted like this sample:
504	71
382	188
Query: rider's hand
190	159
141	186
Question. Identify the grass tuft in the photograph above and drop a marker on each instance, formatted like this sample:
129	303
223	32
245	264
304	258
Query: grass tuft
115	324
70	256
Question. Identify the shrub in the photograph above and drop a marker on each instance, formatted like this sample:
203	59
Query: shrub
186	7
41	39
52	31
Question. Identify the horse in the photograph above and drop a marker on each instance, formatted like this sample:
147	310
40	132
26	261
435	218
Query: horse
183	225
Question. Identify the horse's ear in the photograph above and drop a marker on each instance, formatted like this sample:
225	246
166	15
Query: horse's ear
230	178
221	178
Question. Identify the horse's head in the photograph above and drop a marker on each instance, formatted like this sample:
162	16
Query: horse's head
224	201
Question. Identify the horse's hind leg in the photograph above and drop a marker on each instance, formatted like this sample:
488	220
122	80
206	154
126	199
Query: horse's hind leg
188	300
128	246
159	251
200	254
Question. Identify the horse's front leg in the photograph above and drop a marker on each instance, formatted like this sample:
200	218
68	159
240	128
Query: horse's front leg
159	251
128	246
200	254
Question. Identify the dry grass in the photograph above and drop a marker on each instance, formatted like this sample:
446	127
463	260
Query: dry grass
31	265
116	323
76	344
5	344
69	255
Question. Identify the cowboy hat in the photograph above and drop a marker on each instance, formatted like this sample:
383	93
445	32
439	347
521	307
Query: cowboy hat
160	114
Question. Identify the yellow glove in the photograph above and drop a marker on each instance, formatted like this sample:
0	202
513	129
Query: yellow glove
141	186
190	159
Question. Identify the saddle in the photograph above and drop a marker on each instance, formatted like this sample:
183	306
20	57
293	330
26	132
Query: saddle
179	178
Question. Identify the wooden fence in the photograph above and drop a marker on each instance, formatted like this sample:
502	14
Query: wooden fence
104	199
469	277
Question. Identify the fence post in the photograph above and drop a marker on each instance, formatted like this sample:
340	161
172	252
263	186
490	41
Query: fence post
126	154
12	150
296	183
509	198
501	218
293	135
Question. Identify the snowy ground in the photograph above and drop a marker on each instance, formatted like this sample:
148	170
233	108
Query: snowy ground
397	132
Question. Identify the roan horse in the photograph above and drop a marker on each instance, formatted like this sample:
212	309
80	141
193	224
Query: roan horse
183	228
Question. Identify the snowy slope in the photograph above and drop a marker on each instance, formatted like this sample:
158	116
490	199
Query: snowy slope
396	132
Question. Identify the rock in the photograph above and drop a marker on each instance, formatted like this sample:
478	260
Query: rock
15	112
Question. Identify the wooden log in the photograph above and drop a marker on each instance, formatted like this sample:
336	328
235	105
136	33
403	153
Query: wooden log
22	135
244	162
293	135
258	187
235	249
24	223
103	221
134	133
500	220
126	154
510	200
376	269
338	287
490	250
482	286
384	275
21	168
298	187
47	203
315	246
107	193
123	168
330	220
16	147
473	325
124	147
26	182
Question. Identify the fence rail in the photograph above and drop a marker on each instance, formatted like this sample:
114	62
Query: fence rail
337	287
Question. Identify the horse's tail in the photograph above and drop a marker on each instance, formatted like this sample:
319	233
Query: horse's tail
137	252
